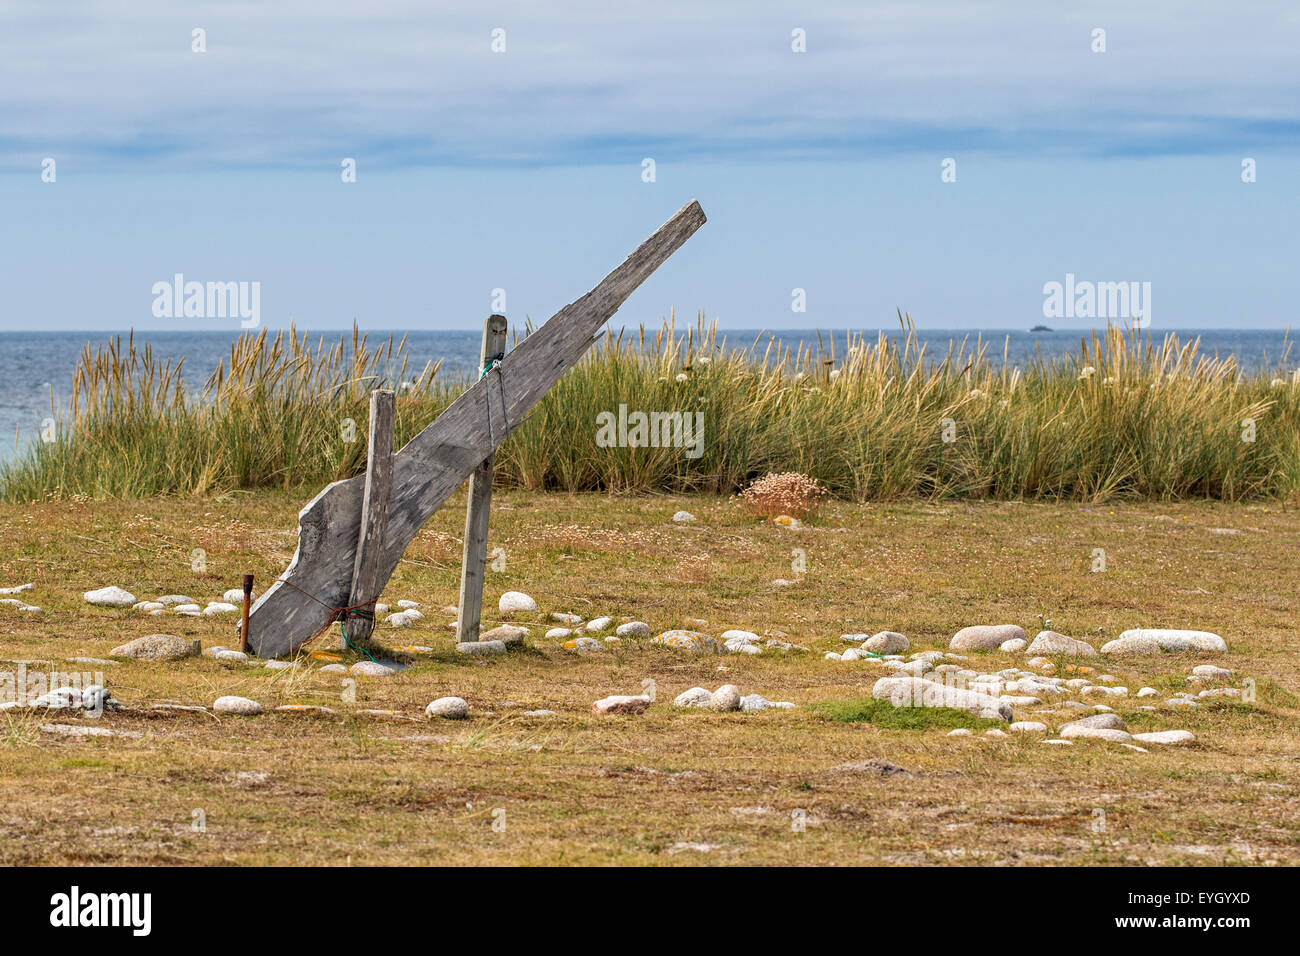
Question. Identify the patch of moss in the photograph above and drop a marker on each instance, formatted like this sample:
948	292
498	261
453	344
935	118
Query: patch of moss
881	713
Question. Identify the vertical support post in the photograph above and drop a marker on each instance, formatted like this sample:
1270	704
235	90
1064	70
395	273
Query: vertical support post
366	571
243	621
474	556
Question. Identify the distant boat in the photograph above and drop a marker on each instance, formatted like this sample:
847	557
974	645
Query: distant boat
1040	328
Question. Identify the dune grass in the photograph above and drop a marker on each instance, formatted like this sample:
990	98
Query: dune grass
1127	417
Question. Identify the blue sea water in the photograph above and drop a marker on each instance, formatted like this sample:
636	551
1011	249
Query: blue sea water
36	365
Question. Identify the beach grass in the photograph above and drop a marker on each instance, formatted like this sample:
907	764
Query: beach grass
1126	417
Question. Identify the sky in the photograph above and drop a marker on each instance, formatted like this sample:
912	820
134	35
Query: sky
947	159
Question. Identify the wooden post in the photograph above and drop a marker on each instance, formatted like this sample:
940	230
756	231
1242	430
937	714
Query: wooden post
474	556
243	621
368	577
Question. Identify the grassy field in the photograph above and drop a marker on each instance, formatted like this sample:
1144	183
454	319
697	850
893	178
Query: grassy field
670	786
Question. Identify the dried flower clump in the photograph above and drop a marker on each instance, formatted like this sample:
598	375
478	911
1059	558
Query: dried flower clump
789	493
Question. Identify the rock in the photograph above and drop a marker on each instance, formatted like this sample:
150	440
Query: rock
109	597
313	709
516	602
235	596
1013	646
1050	642
333	669
621	704
742	637
832	656
1211	672
1059	742
916	668
725	698
1154	640
1103	721
278	665
237	705
1029	727
960	732
683	517
400	619
226	654
510	635
452	708
852	654
170	600
1097	690
17	590
985	637
918	692
150	607
192	609
752	703
583	645
1100	733
556	633
570	620
688	641
695	697
886	642
1166	737
599	624
157	647
98	661
633	629
994	732
481	648
408	605
220	607
374	669
1148	692
413	614
1016	700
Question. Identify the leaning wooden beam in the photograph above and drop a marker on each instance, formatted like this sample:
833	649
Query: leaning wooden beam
437	460
375	496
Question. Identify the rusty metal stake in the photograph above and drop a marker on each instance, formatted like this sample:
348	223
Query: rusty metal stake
243	623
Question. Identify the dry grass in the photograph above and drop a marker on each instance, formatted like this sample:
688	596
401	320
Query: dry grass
576	788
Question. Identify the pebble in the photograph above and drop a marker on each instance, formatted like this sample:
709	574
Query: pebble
583	644
191	609
960	732
1154	640
1029	727
688	641
333	669
1211	672
169	600
540	713
408	605
1050	642
109	597
516	602
453	708
277	665
98	661
695	697
1018	701
1105	721
511	635
886	642
237	705
558	632
219	607
599	624
621	704
1097	690
236	596
226	654
374	669
157	647
1013	646
1166	737
1101	733
985	637
633	629
1148	692
1059	742
994	732
81	730
725	698
400	619
17	590
572	620
683	517
918	692
481	648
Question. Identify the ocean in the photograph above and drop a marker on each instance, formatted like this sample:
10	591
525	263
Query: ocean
34	363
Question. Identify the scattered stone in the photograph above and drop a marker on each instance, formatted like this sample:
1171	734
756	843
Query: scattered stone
540	713
226	654
886	642
1016	700
599	624
408	605
513	602
725	698
994	732
97	661
1100	733
621	704
231	704
1059	742
193	610
157	647
918	692
1029	727
683	517
782	583
695	697
985	637
1105	721
1166	737
583	645
171	600
219	607
150	607
400	619
688	641
333	669
556	633
960	732
1050	642
17	590
510	635
752	703
1154	640
572	620
481	648
235	596
453	708
1013	646
1097	690
81	730
109	597
1211	672
633	629
916	668
278	665
1148	692
375	669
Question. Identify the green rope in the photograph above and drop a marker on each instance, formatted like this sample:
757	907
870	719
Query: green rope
365	616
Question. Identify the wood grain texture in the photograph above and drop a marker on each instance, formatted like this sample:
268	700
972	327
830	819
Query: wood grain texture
437	460
366	569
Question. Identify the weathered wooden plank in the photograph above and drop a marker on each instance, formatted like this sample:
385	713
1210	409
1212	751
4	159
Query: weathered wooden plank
474	555
366	580
435	462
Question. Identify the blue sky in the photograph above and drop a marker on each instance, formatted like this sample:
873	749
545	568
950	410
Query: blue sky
522	170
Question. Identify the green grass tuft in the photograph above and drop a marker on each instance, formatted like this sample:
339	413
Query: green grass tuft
880	713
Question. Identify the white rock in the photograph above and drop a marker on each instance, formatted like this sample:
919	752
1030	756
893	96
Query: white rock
572	620
918	692
191	609
1106	721
278	665
994	732
236	596
516	602
1148	692
726	697
695	697
742	637
633	629
1057	741
832	656
1166	737
1016	700
683	517
960	732
333	669
453	708
219	607
407	605
224	654
374	669
171	599
1100	733
1029	727
237	705
17	590
539	713
985	637
1050	642
400	619
886	642
1012	646
621	704
1097	690
599	624
558	632
852	654
481	648
148	607
1153	640
1211	672
109	597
